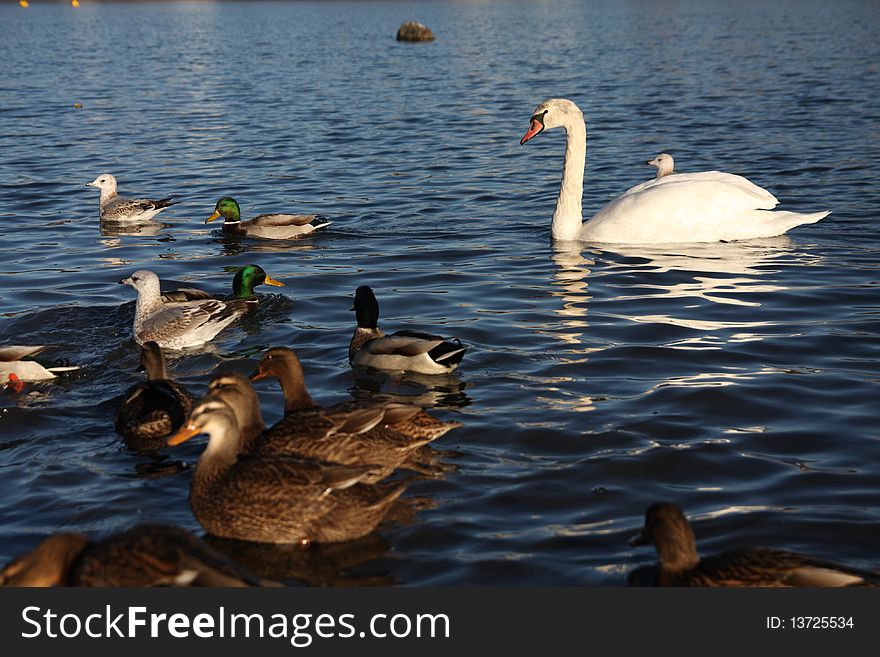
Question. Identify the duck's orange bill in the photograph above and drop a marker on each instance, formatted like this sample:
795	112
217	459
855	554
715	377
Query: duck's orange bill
271	281
212	217
257	375
535	127
185	433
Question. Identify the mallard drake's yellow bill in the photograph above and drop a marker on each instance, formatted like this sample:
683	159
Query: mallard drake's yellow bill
185	433
271	281
212	217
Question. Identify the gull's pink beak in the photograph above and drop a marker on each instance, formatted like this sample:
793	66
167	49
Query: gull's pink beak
534	129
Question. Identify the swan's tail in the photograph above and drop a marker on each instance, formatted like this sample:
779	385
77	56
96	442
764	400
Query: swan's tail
781	221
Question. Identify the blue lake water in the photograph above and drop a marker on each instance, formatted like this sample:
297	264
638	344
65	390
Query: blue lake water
739	380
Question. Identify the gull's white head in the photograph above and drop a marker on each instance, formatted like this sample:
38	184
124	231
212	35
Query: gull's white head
553	113
106	183
143	281
664	163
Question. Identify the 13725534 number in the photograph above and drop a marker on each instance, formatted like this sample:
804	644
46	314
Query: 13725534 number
821	622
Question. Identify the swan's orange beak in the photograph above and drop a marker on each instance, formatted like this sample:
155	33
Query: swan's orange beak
535	127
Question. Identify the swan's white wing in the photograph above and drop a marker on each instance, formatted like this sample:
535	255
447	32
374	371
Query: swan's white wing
738	182
692	207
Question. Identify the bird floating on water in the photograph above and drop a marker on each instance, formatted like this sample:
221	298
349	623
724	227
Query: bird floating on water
146	555
275	499
243	283
685	207
403	351
680	565
115	208
266	226
387	434
177	325
16	360
153	410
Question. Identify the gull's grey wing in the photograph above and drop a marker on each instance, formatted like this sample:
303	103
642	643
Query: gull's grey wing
177	319
126	208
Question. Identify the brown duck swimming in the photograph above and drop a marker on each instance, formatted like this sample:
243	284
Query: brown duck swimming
276	499
351	433
680	565
147	555
237	392
153	410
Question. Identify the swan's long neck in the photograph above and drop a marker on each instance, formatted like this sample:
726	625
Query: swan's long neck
568	217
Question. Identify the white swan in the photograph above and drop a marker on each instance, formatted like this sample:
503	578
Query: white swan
683	207
664	163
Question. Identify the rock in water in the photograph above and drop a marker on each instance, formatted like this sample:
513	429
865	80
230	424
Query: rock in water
412	31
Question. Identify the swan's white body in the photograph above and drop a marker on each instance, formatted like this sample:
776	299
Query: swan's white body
683	207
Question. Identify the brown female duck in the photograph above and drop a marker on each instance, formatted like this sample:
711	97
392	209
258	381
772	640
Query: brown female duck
147	555
153	410
680	565
271	499
351	433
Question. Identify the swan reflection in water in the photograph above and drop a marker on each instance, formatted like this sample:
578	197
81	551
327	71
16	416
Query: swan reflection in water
727	273
674	285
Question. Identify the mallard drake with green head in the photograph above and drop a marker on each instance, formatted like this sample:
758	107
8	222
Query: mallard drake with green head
243	284
388	434
273	499
16	362
265	226
403	351
680	565
146	555
177	325
153	410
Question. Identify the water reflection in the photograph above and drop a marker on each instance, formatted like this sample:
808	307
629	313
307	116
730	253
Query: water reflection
234	245
425	390
734	273
570	286
319	565
147	228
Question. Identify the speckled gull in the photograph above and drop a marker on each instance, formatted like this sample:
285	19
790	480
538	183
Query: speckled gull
178	325
116	208
664	163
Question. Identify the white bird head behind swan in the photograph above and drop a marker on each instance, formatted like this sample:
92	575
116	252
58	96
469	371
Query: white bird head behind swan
664	163
686	207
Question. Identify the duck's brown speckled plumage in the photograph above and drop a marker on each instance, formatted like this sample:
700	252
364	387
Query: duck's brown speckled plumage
350	433
276	499
146	555
153	410
680	565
